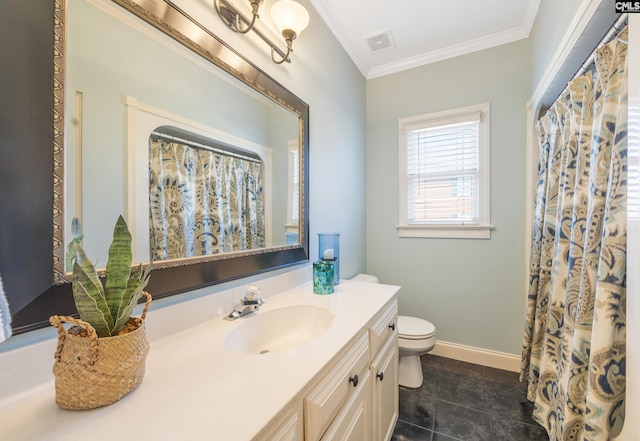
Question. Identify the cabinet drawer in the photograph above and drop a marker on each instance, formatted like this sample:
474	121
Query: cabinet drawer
352	422
324	401
383	328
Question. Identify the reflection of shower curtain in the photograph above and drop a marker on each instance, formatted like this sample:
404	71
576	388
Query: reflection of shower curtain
202	202
574	346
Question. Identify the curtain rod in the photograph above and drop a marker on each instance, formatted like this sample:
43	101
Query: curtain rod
610	35
206	147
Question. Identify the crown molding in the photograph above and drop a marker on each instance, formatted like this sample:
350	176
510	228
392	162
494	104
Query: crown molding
370	72
478	44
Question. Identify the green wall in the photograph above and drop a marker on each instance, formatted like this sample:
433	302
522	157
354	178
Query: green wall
549	28
472	290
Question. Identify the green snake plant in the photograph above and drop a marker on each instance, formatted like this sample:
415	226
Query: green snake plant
107	307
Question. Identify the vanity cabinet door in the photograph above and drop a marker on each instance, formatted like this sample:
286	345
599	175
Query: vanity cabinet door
288	428
384	379
328	398
353	421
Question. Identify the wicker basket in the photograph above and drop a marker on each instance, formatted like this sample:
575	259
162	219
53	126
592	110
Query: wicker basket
93	372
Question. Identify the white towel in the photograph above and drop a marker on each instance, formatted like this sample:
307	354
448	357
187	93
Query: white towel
5	316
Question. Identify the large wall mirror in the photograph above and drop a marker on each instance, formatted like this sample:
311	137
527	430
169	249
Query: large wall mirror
152	107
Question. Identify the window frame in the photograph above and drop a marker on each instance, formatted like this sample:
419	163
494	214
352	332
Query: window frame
481	230
293	194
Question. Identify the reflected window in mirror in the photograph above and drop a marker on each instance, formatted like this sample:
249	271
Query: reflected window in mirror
293	200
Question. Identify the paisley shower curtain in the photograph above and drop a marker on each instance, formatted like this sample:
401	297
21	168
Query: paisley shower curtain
203	202
573	355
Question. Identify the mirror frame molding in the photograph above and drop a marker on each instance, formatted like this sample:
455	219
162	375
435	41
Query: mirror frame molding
167	281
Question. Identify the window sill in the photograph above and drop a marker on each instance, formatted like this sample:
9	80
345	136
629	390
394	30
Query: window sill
446	231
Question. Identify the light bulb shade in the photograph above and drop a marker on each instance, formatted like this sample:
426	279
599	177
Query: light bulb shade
287	14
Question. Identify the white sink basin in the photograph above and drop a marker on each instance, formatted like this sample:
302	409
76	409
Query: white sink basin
278	330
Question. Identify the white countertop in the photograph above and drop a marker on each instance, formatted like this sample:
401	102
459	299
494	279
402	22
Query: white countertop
194	388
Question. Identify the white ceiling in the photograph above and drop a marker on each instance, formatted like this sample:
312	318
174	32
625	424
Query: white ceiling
422	31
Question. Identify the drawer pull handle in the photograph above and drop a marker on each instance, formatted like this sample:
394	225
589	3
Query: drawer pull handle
380	376
354	380
392	326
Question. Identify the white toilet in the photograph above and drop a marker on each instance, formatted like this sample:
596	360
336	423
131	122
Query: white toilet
416	337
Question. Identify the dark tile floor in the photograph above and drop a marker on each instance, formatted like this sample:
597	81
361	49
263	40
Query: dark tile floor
461	401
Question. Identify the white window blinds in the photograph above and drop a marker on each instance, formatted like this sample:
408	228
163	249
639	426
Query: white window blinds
442	174
294	185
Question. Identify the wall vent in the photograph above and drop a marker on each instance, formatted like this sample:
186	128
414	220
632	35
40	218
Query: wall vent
380	41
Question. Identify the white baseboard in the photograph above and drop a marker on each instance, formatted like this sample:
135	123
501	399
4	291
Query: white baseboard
484	357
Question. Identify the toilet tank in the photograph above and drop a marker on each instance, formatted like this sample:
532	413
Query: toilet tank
366	278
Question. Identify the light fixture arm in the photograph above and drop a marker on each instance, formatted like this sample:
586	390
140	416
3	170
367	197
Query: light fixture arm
289	36
255	5
234	19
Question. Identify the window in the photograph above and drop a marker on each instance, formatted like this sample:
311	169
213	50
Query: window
293	195
444	174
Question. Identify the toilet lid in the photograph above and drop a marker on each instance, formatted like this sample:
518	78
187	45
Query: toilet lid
414	328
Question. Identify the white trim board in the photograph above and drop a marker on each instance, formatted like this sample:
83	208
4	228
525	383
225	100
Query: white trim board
470	354
592	20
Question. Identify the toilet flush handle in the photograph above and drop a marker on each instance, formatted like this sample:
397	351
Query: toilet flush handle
392	326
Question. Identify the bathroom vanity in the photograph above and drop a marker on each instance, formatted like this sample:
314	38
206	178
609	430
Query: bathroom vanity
327	373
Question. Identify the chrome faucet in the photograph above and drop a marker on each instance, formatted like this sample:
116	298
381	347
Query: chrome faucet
248	304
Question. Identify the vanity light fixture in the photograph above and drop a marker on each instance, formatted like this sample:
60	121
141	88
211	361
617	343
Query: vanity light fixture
290	17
